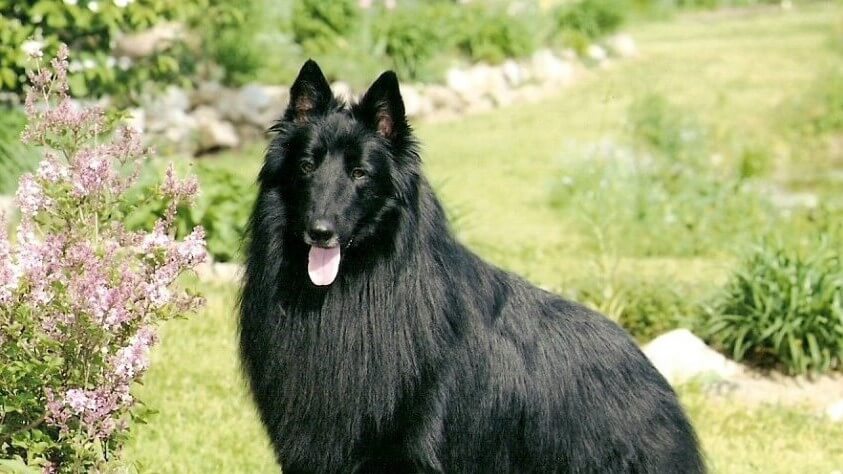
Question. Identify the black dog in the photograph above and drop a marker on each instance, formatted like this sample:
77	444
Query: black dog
373	341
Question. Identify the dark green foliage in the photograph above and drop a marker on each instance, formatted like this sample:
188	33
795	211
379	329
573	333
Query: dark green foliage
15	158
592	18
235	43
223	207
91	35
491	35
646	308
783	308
321	26
411	37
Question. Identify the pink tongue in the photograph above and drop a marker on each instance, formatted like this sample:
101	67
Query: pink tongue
323	265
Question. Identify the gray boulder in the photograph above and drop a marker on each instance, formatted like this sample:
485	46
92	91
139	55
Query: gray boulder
548	67
679	355
213	132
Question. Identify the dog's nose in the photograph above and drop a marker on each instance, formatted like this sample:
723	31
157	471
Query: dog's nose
321	231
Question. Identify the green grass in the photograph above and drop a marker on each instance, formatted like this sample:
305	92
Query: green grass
733	70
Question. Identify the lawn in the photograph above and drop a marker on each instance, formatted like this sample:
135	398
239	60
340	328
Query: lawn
735	70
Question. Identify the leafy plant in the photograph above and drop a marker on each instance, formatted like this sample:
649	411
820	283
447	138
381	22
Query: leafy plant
321	26
668	131
645	308
783	308
80	296
592	18
92	28
411	37
491	35
222	208
650	205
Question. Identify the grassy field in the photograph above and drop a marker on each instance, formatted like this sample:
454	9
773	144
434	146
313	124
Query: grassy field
734	69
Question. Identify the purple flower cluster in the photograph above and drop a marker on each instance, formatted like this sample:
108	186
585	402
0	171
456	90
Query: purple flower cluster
77	289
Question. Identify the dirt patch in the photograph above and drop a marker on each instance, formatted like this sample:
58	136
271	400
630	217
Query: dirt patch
752	387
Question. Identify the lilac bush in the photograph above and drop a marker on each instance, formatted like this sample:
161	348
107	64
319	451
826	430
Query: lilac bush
80	294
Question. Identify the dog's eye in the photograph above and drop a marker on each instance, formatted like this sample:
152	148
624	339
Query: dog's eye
306	167
358	173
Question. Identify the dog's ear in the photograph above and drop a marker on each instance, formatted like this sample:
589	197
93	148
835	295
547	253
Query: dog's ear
382	108
310	95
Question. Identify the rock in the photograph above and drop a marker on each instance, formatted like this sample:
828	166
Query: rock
547	67
513	72
207	93
415	104
205	270
834	412
213	132
171	130
343	90
502	96
480	105
460	81
793	200
569	54
228	105
227	271
219	271
260	105
173	98
597	53
136	119
146	43
443	98
253	104
622	45
680	355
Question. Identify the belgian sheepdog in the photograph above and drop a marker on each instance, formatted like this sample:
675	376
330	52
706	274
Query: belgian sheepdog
373	341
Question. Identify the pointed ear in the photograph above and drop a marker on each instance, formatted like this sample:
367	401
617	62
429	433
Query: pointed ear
310	94
382	108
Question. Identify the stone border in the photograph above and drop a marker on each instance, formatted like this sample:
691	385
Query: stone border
213	117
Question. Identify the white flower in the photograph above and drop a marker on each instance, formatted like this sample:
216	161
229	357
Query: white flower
94	6
122	3
33	48
71	2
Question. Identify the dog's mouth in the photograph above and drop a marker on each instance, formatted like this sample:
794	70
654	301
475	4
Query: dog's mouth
323	261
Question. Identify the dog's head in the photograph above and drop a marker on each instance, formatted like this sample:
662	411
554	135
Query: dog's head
339	170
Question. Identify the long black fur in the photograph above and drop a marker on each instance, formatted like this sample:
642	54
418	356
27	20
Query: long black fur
420	357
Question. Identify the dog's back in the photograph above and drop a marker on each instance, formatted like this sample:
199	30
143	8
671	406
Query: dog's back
401	351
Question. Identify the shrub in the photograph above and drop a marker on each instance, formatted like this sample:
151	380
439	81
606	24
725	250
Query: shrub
783	308
669	132
592	18
321	26
491	35
650	205
91	28
233	42
80	296
411	37
222	208
645	307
